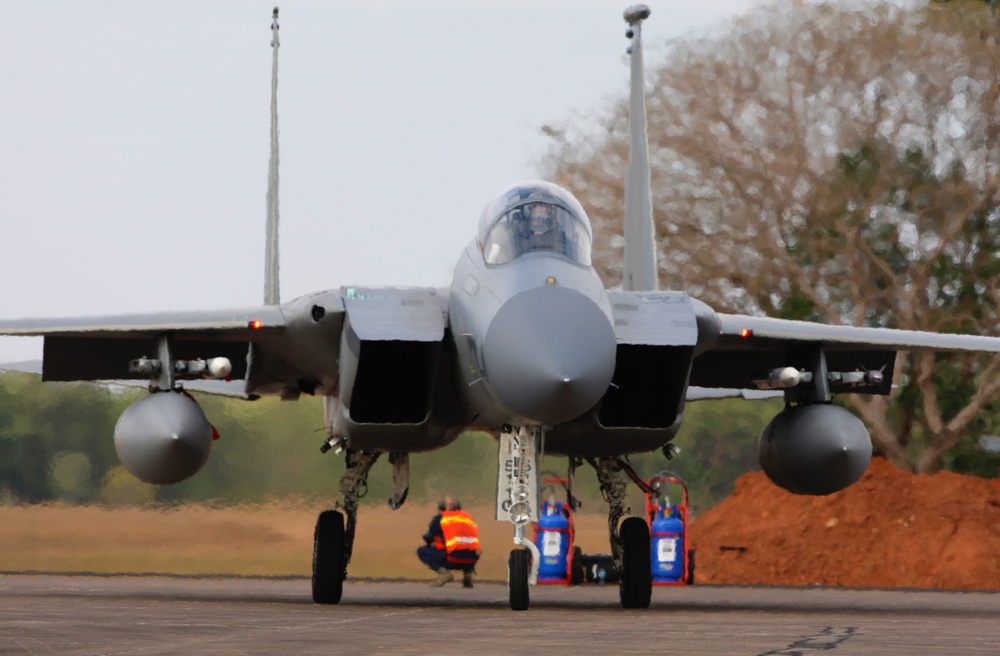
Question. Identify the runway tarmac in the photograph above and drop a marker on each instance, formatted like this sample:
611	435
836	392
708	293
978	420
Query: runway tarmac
45	614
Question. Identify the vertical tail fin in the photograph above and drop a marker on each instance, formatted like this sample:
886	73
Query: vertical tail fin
640	273
271	296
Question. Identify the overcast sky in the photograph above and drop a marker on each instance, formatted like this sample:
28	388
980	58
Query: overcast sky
134	139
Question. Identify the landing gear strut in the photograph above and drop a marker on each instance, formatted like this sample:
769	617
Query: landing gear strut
629	539
517	500
333	540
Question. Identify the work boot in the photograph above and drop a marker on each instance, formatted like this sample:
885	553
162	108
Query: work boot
444	576
467	579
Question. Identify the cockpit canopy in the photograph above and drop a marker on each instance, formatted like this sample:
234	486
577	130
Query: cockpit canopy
534	216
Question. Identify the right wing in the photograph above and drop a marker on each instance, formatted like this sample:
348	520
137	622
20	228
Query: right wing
747	347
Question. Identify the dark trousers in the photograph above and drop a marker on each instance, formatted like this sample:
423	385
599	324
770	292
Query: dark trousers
437	558
433	558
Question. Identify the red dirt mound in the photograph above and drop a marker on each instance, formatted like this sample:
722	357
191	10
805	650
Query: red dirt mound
890	529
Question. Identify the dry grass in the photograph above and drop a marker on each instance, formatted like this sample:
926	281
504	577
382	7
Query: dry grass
271	540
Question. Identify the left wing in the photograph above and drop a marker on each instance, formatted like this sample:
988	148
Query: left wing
282	349
101	347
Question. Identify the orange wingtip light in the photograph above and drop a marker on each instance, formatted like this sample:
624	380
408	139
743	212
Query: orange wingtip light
746	332
256	324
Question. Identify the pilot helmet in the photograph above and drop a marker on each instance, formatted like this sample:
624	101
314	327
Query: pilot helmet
538	217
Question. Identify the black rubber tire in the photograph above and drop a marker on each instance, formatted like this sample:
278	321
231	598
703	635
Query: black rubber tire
690	573
518	568
576	567
636	584
329	568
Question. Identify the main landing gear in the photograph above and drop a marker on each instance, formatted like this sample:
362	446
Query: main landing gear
333	540
517	501
629	538
329	558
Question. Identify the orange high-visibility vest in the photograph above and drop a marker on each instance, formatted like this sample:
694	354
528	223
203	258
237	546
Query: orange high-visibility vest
460	534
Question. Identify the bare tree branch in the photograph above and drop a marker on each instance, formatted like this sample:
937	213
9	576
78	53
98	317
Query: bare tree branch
827	163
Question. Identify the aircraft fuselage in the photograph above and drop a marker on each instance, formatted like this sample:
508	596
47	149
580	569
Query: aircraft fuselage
534	338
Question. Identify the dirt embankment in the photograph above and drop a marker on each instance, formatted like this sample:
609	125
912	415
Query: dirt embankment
891	529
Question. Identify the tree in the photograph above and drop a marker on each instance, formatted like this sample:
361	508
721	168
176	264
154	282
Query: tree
56	442
717	447
55	438
830	164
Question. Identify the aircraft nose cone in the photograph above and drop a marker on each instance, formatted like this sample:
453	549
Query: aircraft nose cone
549	354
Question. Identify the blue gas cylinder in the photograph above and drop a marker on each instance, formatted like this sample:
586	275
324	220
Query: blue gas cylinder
552	540
666	545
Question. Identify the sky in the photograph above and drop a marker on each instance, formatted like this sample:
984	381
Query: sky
135	139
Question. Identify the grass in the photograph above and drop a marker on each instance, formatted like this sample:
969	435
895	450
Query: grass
267	540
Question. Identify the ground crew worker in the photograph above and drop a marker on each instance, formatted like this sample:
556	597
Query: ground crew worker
451	543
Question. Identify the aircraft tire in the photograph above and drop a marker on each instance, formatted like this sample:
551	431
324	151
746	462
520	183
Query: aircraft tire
328	558
576	567
636	585
518	567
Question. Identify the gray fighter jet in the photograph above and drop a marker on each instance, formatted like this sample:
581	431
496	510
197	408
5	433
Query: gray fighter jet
527	344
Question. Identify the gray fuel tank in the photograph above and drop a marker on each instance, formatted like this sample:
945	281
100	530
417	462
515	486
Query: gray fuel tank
814	449
163	438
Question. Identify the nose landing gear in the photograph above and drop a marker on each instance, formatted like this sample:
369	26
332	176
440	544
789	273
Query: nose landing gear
517	501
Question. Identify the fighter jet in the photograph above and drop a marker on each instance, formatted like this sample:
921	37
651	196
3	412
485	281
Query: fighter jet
527	344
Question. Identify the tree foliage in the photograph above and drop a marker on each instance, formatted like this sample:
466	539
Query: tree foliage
718	444
54	437
834	164
56	443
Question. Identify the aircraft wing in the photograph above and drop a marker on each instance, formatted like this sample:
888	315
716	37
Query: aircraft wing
766	332
748	347
276	349
228	388
101	347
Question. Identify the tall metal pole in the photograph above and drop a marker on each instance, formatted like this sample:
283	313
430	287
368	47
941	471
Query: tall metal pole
271	287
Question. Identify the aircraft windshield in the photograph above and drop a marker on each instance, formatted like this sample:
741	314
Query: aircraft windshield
537	227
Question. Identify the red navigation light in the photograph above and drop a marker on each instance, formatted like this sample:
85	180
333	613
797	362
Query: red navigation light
746	332
256	324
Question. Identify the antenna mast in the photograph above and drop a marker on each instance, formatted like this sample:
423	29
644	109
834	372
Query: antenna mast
271	296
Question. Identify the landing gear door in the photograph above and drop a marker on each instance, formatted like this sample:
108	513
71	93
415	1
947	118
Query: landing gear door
517	480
